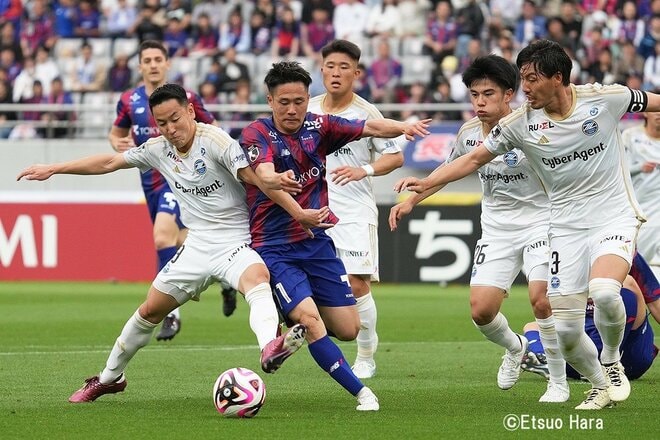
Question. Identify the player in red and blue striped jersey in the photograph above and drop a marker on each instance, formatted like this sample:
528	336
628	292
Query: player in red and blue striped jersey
309	280
134	125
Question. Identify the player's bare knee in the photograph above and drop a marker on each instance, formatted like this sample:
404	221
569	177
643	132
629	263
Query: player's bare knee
346	332
541	307
150	314
315	326
482	315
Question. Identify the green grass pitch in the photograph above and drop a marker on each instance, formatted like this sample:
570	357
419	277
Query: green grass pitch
436	374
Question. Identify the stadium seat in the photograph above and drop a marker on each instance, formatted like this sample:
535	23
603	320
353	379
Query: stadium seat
416	69
127	46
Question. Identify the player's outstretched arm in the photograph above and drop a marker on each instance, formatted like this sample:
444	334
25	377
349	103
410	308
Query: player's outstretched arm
385	164
389	128
97	164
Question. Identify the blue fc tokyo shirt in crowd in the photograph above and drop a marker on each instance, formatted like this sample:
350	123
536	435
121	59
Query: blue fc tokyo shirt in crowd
304	152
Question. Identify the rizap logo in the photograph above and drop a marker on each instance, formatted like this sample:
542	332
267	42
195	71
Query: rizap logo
200	190
200	167
511	158
145	131
589	127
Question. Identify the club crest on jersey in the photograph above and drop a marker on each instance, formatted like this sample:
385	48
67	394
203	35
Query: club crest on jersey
253	153
554	282
511	158
200	166
589	127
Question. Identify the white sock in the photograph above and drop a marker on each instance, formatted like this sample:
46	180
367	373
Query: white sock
609	316
175	313
367	339
263	314
556	363
498	331
135	335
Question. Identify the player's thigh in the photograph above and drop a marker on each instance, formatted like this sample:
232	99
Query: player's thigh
612	249
497	262
569	264
166	231
187	274
343	322
357	247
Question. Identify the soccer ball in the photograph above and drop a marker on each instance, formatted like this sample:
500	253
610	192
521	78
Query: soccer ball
239	392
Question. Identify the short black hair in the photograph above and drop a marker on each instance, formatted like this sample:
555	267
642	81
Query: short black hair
493	68
152	44
548	58
342	46
286	72
166	92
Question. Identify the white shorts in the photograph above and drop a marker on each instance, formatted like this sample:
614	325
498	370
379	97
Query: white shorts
498	260
198	263
573	252
648	242
357	247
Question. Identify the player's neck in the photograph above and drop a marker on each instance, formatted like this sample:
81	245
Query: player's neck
561	106
652	132
334	104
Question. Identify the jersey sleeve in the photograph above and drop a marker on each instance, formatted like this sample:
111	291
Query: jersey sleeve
456	150
255	146
500	140
234	158
140	157
621	99
123	118
341	131
201	114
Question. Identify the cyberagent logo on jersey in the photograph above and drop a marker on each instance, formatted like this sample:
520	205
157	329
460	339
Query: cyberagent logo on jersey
203	191
584	155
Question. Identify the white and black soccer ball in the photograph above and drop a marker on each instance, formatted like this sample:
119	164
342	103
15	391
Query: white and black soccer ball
239	392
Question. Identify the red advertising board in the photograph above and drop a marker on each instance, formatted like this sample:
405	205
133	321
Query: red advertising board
76	241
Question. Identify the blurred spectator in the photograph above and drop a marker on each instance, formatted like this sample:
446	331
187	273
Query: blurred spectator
474	51
531	25
45	68
602	70
6	116
286	36
235	33
267	8
181	10
646	46
295	6
9	64
441	33
23	82
572	21
65	18
594	44
37	97
442	95
260	34
209	94
384	75
507	11
88	74
120	19
215	10
214	74
505	47
206	38
412	17
37	28
233	72
120	75
556	33
59	96
417	95
470	20
310	5
652	70
383	20
88	20
147	26
361	83
317	33
628	62
630	27
8	40
175	38
240	97
350	21
11	11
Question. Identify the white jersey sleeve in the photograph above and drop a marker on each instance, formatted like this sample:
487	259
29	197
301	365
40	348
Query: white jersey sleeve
640	149
355	201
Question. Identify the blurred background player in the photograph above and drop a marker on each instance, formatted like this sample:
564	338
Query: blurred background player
515	212
350	190
637	349
642	143
133	126
208	164
309	280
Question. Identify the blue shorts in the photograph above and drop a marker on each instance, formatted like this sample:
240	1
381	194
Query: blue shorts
164	201
307	268
638	350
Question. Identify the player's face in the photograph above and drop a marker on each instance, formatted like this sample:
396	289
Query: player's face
653	120
339	71
489	101
289	103
154	66
538	89
176	122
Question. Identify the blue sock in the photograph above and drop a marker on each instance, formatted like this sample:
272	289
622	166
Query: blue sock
534	339
165	255
331	360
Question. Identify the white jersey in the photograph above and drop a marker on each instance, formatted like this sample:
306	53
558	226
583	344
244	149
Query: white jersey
204	180
640	149
580	158
513	197
355	201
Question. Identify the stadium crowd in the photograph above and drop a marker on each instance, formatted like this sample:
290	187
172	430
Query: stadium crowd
414	51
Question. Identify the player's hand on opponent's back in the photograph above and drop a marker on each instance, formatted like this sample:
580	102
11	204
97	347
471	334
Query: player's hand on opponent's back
123	144
397	212
36	172
411	184
417	128
344	174
285	181
314	218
